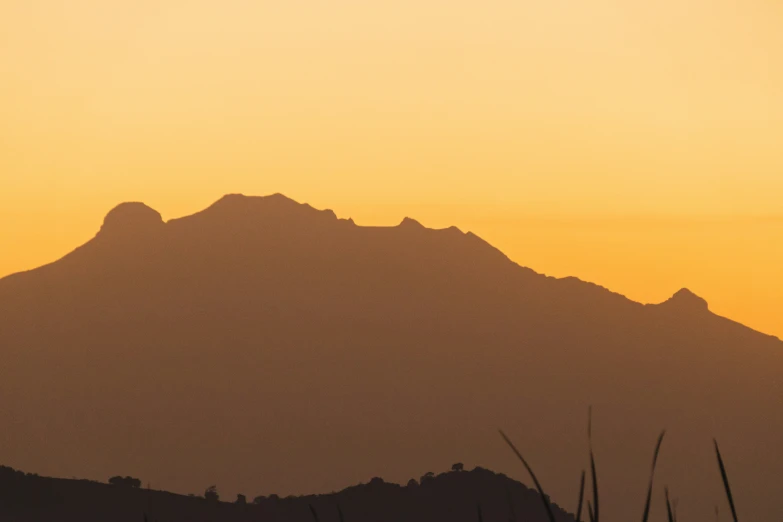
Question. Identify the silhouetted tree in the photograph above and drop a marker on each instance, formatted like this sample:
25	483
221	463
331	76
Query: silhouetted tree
128	482
211	494
241	499
458	467
427	476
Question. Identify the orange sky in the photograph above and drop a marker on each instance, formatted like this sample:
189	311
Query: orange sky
631	143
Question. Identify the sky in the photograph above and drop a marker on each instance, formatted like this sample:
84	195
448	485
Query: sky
630	143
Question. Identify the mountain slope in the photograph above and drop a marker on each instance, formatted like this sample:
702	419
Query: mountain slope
263	344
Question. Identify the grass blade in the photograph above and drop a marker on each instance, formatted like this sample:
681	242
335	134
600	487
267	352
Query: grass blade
652	475
593	472
480	516
544	497
314	512
590	512
725	481
668	506
340	513
581	498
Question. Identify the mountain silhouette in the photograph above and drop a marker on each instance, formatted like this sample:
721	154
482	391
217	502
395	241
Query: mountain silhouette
453	496
264	345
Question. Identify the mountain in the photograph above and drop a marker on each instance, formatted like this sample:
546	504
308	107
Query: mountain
263	345
451	496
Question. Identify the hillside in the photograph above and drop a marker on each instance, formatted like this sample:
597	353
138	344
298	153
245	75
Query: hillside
453	496
265	345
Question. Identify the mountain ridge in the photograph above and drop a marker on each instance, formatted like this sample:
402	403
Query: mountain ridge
262	342
279	206
139	218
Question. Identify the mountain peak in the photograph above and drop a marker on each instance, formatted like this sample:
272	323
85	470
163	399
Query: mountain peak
130	219
684	299
410	223
241	199
251	209
243	203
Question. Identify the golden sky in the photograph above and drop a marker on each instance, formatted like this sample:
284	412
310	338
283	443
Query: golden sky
631	143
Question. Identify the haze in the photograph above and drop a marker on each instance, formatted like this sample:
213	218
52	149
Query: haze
629	143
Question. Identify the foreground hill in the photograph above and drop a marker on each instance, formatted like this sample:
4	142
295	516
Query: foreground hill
451	496
265	345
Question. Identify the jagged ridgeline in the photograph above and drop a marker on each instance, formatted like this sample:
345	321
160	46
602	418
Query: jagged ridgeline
264	345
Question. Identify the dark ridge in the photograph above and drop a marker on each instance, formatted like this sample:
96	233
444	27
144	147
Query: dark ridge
447	496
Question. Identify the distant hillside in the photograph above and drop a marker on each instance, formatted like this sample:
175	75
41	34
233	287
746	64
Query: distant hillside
263	344
453	496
